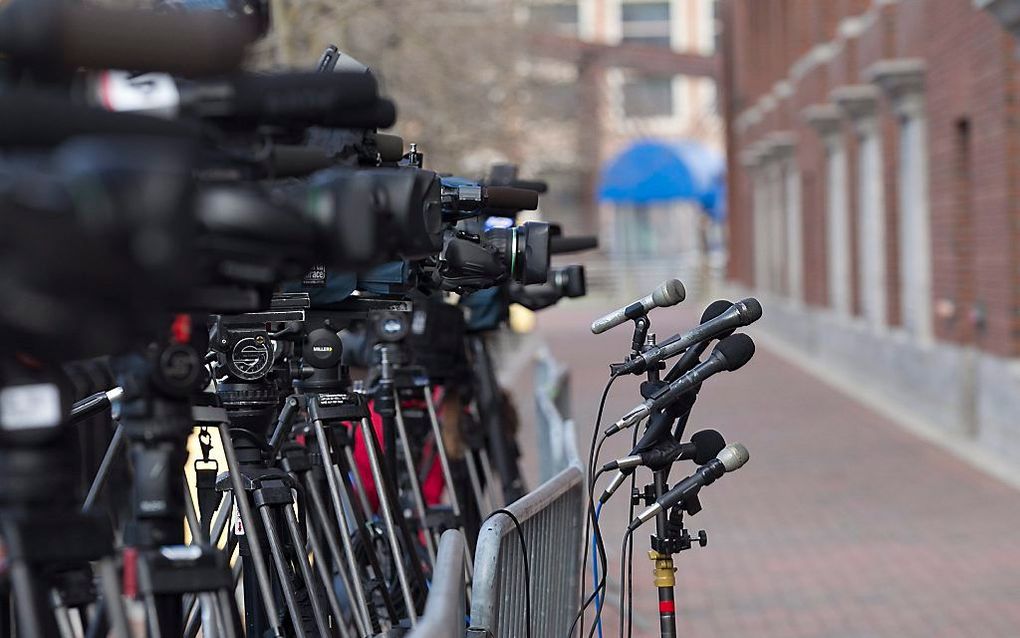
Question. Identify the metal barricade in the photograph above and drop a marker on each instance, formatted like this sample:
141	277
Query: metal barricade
550	518
557	442
444	609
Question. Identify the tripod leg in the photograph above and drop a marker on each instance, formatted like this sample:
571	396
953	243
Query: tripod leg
412	476
347	456
280	562
61	614
230	619
492	482
371	445
326	578
111	598
489	406
207	615
248	521
340	470
104	468
444	463
354	587
321	617
476	485
335	482
31	610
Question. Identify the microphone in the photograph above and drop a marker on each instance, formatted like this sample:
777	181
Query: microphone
670	293
730	354
325	99
390	147
742	313
510	197
560	245
95	403
704	445
43	120
71	35
693	354
732	457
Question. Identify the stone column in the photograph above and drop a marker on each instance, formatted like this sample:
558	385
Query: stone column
859	104
902	80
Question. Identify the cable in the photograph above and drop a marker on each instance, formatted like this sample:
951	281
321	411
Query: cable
527	567
598	592
595	574
591	512
629	556
627	537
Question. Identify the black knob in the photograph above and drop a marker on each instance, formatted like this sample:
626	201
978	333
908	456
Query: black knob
323	349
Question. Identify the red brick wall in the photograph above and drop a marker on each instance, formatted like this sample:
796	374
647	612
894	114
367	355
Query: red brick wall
972	74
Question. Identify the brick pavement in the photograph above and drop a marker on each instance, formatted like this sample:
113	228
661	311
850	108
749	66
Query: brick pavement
842	525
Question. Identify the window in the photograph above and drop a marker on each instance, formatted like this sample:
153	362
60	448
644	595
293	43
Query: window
648	96
558	17
645	23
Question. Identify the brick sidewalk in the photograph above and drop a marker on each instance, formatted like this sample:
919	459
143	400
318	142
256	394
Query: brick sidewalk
842	525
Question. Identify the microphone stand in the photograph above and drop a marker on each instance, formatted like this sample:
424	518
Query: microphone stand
670	535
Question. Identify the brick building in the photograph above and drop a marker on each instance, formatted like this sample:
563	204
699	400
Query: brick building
874	154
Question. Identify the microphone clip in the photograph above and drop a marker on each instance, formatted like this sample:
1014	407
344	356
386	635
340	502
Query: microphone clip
616	369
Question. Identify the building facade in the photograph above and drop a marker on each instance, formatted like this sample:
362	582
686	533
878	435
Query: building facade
628	86
874	161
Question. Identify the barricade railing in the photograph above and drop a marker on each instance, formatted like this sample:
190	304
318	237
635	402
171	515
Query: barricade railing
557	442
444	609
550	518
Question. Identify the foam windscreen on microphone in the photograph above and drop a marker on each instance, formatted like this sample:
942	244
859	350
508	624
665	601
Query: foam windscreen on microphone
737	350
750	309
530	184
390	147
715	309
71	35
380	114
512	198
709	443
300	95
560	245
46	121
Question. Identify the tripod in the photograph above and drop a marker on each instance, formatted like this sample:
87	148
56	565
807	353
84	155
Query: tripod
156	417
398	384
49	544
331	407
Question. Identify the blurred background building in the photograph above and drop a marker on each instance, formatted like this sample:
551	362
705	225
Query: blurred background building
633	80
874	161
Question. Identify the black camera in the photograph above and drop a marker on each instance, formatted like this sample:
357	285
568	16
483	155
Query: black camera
503	253
401	210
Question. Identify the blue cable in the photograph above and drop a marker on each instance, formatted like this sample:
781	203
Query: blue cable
595	570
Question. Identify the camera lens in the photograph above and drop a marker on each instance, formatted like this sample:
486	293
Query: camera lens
532	253
525	251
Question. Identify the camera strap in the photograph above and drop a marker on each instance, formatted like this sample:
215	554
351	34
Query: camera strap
206	470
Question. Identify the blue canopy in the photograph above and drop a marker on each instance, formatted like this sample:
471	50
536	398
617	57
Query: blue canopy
653	171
